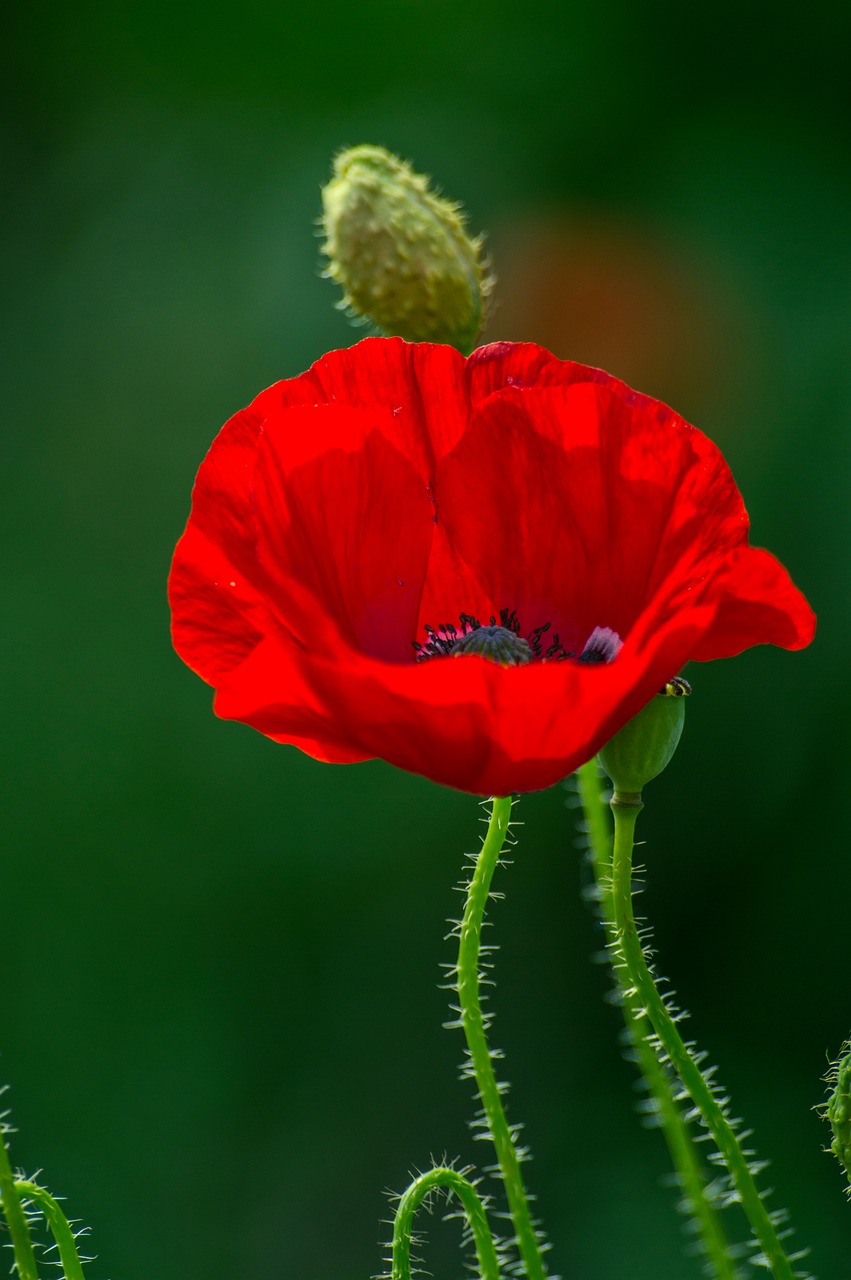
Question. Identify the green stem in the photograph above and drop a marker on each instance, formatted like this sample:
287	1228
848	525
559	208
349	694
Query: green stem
650	1000
474	1211
59	1228
678	1139
469	950
15	1218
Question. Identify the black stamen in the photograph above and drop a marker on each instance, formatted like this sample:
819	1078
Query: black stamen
509	620
535	638
501	642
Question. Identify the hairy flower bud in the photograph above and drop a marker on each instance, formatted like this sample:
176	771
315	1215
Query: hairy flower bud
402	253
839	1109
645	745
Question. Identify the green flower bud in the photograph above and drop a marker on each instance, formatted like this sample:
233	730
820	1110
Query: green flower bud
644	747
839	1109
402	253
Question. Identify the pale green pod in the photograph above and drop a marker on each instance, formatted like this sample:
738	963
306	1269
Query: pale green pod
645	745
839	1110
402	253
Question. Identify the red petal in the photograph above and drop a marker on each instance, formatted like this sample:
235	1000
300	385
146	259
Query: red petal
218	617
572	507
221	498
421	386
760	605
342	511
451	588
430	389
463	722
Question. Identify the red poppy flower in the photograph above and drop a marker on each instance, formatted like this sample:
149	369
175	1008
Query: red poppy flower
476	569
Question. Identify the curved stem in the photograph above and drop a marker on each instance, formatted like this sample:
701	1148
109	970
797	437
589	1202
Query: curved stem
469	950
15	1218
59	1227
677	1136
650	1000
474	1212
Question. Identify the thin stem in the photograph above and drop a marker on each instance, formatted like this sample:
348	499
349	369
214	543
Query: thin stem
677	1136
650	1000
469	951
15	1218
59	1227
474	1211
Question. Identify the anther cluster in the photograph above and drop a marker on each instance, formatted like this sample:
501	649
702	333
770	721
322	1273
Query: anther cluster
501	642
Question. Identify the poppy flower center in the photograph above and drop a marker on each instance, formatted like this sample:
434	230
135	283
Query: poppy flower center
498	644
501	642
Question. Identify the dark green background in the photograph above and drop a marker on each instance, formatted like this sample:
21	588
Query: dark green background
218	1002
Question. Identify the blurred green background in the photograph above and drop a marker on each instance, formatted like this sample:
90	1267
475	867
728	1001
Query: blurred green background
218	978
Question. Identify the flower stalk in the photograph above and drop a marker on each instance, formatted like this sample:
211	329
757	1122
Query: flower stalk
640	986
442	1178
474	1024
15	1217
657	1077
60	1228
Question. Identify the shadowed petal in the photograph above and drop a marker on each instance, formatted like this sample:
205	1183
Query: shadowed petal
341	510
570	506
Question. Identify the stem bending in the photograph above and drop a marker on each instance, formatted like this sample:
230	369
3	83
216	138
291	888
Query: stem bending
59	1227
442	1177
15	1218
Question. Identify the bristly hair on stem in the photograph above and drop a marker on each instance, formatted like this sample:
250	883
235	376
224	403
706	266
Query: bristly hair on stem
14	1212
467	978
632	960
25	1203
481	1252
522	1253
661	1107
65	1236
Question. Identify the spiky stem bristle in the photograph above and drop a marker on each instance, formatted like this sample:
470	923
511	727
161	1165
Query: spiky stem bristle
637	979
697	1203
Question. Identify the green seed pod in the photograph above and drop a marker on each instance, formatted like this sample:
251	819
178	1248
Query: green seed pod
644	747
839	1109
402	253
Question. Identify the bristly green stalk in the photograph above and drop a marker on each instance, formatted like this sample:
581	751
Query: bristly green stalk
692	1182
474	1024
15	1218
442	1178
639	984
60	1228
